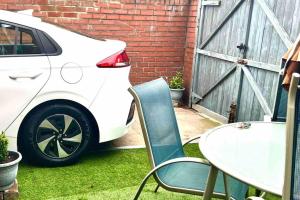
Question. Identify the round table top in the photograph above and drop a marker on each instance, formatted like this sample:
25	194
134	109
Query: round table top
255	155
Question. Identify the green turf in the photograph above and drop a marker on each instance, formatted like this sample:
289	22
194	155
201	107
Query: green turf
99	175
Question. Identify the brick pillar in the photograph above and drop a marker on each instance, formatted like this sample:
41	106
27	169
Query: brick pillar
189	49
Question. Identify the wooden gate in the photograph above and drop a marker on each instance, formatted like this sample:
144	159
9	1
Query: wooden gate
238	53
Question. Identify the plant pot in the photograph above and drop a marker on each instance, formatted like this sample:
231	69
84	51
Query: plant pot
9	170
176	95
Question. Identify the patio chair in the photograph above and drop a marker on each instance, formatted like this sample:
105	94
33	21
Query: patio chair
171	169
291	188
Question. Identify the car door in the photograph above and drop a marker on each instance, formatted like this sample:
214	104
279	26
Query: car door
24	70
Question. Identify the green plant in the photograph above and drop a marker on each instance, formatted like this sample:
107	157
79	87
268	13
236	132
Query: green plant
3	147
176	82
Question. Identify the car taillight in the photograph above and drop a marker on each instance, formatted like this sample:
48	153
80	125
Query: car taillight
119	59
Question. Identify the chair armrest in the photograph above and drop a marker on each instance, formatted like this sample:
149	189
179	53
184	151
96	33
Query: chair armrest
168	162
191	139
177	160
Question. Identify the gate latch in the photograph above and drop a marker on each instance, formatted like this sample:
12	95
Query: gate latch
242	62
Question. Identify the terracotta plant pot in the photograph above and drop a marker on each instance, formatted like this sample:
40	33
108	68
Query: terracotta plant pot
9	170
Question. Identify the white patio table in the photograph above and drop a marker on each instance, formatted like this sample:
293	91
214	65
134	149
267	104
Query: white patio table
255	155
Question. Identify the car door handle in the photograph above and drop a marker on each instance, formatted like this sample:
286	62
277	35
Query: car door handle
24	76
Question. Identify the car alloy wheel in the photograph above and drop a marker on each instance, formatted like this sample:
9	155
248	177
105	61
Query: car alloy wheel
55	134
59	136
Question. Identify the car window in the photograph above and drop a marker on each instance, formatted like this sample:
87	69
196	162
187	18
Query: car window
17	41
50	46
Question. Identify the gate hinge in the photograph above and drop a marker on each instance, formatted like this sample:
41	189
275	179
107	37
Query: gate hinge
211	3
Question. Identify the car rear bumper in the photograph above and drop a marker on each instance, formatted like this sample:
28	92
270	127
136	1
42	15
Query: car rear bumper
112	106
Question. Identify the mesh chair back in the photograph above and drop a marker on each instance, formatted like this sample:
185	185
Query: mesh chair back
280	107
158	121
280	104
291	188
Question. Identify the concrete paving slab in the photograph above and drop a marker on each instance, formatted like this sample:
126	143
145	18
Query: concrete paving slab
190	123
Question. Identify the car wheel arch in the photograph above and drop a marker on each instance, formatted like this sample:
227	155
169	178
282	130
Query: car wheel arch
95	127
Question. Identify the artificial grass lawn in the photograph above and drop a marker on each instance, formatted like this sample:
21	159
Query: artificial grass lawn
99	175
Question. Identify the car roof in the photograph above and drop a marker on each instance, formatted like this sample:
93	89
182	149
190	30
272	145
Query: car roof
22	18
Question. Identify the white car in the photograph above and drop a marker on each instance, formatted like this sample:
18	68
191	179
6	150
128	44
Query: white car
60	90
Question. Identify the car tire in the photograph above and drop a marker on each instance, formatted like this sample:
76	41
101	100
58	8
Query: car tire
55	135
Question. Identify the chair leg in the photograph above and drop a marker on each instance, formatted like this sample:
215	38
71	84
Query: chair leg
140	190
212	177
247	194
156	188
142	186
257	192
227	192
263	194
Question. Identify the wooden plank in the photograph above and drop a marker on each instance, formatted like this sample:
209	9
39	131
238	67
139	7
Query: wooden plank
218	55
238	87
196	98
216	69
250	104
265	78
219	80
279	11
221	24
252	63
257	91
272	17
211	3
269	49
202	69
222	96
262	65
296	19
246	93
247	32
195	67
210	66
206	112
275	40
230	35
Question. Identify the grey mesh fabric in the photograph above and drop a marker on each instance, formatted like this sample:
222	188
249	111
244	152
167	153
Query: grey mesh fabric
280	103
295	185
163	137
